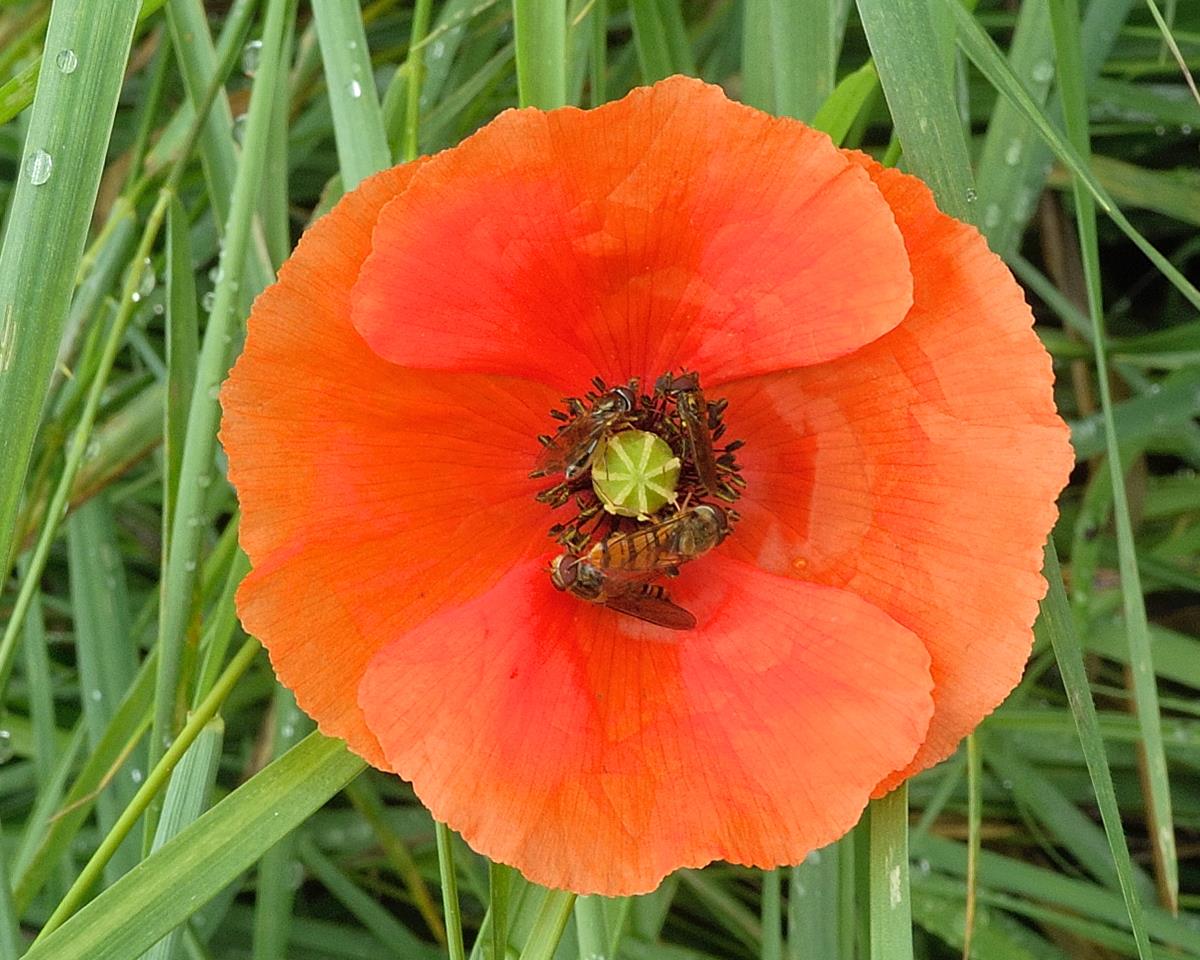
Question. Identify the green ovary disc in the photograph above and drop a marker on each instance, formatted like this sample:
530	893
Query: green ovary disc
635	473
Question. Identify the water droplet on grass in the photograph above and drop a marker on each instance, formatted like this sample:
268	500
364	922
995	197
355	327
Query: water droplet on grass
1012	156
66	61
1043	71
251	55
355	89
38	166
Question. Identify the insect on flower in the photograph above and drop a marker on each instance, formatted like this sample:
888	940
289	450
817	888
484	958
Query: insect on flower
874	599
693	410
631	594
570	451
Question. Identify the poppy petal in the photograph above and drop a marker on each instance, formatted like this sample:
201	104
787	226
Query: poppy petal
673	228
921	472
597	753
367	490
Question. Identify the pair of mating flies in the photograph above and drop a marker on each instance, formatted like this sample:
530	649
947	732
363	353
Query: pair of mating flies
618	571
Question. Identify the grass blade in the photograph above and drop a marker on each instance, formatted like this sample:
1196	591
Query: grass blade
540	28
891	914
48	220
1058	623
983	53
917	82
357	121
1065	19
187	796
804	55
197	466
167	888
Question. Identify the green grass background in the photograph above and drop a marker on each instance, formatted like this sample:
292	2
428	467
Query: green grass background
161	796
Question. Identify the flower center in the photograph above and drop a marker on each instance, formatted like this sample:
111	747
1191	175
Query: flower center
646	488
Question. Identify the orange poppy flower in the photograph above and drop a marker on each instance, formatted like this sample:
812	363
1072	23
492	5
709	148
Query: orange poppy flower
901	461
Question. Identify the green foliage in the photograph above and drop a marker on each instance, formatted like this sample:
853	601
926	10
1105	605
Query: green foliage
155	764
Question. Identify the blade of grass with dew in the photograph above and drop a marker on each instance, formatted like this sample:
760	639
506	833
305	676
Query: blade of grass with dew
186	798
77	447
1014	176
984	54
803	54
920	94
198	63
1065	21
198	863
49	831
891	914
155	782
540	30
1057	622
100	605
48	219
357	121
183	550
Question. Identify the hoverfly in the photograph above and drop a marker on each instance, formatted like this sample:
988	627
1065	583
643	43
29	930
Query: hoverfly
629	594
571	450
693	412
661	547
617	571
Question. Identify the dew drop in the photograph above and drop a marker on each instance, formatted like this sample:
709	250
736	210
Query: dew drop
351	44
206	301
251	55
97	696
1043	71
37	167
66	61
991	216
1160	130
354	89
1186	129
923	123
193	522
1012	156
148	281
287	731
972	195
135	775
190	566
239	128
204	481
438	50
923	866
6	747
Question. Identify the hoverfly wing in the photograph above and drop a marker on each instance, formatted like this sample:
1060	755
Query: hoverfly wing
653	609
